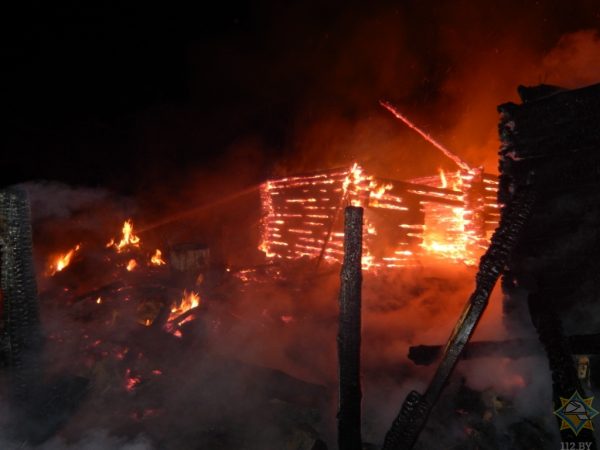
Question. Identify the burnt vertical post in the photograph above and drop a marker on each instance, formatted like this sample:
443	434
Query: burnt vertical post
349	434
21	329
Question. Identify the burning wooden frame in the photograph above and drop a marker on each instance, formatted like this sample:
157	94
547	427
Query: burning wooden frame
449	216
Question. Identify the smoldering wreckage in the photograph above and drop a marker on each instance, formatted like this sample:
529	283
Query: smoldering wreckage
124	337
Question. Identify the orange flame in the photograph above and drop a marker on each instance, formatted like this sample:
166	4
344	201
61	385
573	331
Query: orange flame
443	179
60	262
190	300
129	239
132	264
156	259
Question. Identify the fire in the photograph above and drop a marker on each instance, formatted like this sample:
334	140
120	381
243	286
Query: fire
190	300
156	259
450	216
443	180
60	262
131	381
129	239
132	264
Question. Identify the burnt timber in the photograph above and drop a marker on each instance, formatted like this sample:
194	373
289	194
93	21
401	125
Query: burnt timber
21	331
554	138
349	336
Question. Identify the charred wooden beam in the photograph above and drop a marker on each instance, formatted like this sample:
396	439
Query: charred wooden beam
349	337
20	309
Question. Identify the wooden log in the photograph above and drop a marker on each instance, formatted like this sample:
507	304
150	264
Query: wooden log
349	336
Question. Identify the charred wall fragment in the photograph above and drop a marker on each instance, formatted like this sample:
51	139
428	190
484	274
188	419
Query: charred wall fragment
552	140
38	406
21	337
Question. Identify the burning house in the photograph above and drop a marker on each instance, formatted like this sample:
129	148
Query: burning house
450	216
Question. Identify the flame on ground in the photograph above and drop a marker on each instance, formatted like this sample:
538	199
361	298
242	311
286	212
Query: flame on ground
129	239
190	300
156	259
131	381
132	264
60	262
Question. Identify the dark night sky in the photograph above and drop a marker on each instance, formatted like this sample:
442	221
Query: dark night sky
103	93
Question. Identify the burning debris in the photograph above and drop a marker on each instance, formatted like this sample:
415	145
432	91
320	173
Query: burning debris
58	263
157	259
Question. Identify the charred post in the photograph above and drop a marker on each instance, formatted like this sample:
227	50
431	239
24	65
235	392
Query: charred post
38	409
20	313
349	337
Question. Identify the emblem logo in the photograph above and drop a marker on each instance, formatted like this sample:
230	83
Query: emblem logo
576	413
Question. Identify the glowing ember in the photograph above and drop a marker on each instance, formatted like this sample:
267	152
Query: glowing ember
129	239
287	319
60	262
131	382
460	163
156	259
99	300
132	264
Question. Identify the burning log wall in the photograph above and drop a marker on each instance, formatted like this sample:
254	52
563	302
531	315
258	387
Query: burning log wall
403	220
553	138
